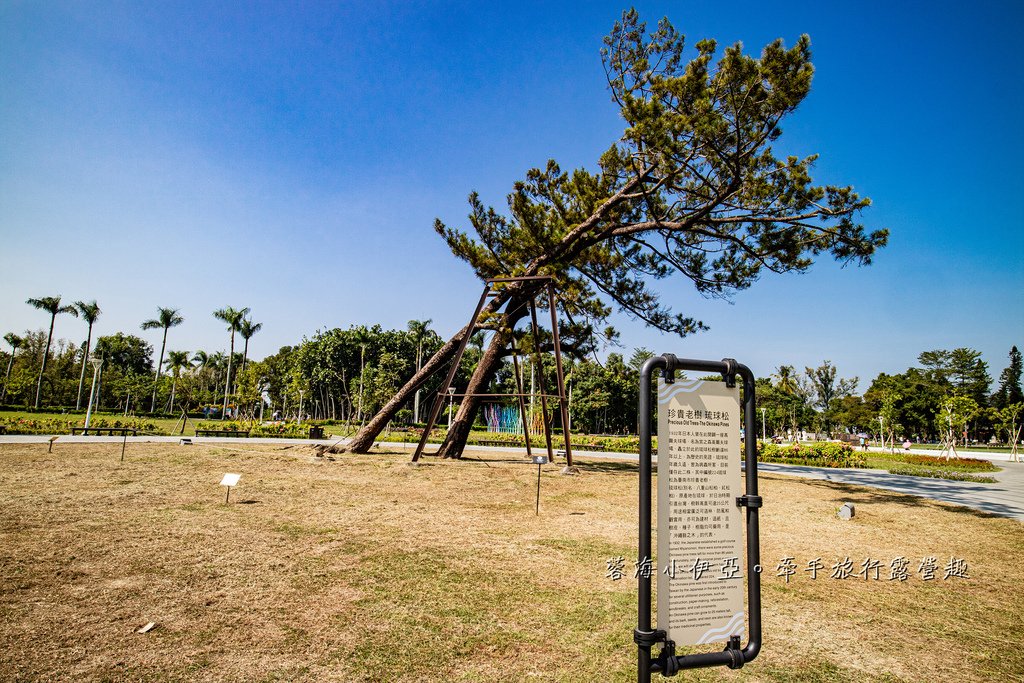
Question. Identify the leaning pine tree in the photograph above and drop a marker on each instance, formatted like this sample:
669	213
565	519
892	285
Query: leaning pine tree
692	188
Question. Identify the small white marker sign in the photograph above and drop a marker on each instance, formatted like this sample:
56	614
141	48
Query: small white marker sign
230	479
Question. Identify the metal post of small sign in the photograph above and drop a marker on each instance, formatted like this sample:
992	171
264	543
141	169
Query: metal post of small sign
539	460
229	480
698	418
124	442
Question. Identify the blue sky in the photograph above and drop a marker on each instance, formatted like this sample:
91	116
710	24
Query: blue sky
292	157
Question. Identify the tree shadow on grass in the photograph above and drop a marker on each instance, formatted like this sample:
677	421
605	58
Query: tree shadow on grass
608	466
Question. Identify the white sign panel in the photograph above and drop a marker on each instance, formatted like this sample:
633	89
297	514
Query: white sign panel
230	479
700	527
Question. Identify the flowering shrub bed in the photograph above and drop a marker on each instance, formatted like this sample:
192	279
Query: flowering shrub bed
280	430
951	464
21	425
814	454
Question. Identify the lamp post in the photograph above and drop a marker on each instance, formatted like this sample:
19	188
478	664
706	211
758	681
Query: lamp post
881	430
97	365
764	434
451	400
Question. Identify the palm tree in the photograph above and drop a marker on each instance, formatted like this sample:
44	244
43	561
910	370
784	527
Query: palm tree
362	338
201	359
89	313
248	328
176	362
234	319
786	381
50	304
166	318
15	341
418	330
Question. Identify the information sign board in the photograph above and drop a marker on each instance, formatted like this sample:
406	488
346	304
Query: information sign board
700	526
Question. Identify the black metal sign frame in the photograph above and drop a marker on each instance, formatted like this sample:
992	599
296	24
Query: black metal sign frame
667	663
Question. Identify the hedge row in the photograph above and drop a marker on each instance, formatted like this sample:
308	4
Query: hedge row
814	454
63	426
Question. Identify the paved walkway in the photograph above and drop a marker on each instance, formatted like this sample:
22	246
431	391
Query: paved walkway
1004	498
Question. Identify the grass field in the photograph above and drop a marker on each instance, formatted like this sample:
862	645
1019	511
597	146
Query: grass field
364	568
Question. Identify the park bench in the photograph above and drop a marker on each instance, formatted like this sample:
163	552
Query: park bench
222	432
109	431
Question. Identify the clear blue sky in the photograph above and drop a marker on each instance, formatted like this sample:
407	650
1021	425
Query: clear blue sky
292	157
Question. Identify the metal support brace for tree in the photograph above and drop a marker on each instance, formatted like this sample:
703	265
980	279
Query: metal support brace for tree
541	283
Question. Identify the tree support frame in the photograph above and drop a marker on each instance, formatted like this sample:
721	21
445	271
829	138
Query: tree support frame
538	284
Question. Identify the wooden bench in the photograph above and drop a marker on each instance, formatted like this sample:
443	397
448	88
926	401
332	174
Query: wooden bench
109	431
222	432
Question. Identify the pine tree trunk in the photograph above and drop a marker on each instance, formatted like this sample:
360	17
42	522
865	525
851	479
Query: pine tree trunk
363	440
484	373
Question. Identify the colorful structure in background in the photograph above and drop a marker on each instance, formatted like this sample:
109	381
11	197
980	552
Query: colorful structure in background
505	419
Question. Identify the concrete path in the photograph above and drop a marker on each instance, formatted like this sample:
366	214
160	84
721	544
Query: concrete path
1004	498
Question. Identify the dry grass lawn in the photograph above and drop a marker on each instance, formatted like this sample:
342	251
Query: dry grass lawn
368	569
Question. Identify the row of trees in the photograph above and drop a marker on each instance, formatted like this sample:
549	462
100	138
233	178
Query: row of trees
126	370
945	397
351	374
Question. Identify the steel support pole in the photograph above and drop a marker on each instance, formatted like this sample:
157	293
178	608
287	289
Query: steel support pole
435	409
562	401
540	377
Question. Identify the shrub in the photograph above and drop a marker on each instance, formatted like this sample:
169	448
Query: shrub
52	425
961	464
813	454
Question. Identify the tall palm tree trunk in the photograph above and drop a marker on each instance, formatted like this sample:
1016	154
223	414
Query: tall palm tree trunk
416	398
159	366
85	361
227	380
362	367
7	375
46	355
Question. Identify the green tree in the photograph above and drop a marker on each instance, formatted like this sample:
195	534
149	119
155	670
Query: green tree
1008	420
1009	391
125	359
89	312
176	362
936	365
692	188
166	319
233	318
828	387
50	304
418	329
968	374
956	411
889	417
247	329
14	341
